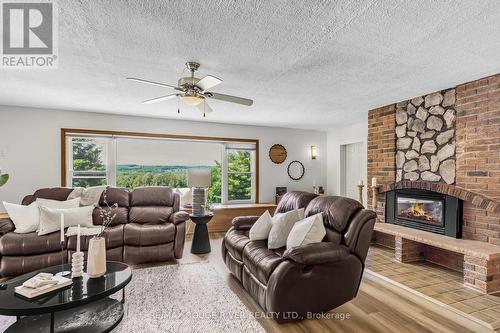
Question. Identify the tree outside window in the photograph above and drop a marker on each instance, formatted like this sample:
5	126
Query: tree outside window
239	174
89	168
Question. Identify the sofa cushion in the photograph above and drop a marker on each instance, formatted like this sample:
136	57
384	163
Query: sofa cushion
152	196
150	215
112	235
337	211
13	244
55	193
235	240
294	200
118	195
260	260
148	234
17	265
120	218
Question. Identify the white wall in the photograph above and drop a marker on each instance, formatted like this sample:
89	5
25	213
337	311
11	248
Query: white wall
335	138
30	147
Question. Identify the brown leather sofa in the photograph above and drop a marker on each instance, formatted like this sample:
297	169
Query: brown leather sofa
295	283
148	227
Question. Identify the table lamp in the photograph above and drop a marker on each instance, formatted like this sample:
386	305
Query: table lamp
199	180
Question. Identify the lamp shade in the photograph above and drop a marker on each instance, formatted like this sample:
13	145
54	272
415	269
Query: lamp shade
199	177
192	100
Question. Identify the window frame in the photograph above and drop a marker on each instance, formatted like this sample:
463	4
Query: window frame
108	144
111	171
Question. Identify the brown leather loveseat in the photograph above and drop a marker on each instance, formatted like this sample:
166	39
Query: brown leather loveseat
148	227
296	283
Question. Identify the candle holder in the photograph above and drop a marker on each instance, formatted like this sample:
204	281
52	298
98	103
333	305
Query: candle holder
76	264
360	193
374	196
62	272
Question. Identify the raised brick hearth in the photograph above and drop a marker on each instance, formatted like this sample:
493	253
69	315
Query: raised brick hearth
478	261
476	158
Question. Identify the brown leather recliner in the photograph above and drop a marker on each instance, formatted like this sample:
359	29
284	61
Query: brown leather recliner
148	227
292	284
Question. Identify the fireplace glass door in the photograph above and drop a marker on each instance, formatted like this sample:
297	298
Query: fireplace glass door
427	211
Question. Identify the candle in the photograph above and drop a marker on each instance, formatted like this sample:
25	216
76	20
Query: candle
360	182
62	227
78	239
374	181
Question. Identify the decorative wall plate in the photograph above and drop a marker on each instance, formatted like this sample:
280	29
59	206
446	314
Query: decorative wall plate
296	170
277	153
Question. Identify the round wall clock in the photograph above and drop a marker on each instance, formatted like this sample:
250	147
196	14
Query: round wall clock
277	154
296	170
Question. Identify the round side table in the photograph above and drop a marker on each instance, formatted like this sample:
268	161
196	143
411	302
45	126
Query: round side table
201	242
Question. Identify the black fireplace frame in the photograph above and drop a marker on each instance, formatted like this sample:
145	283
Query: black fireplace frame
452	212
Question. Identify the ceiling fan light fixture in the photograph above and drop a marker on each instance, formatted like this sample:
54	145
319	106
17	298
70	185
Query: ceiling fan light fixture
192	100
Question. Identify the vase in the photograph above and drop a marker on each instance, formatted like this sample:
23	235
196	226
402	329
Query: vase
96	257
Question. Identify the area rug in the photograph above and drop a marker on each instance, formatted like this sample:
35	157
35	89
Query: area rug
179	298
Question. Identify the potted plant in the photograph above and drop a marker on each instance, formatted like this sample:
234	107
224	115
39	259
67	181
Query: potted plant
96	260
3	178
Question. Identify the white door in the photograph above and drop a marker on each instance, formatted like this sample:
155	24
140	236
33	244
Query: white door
352	168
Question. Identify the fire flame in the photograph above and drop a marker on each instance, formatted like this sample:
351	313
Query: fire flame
417	209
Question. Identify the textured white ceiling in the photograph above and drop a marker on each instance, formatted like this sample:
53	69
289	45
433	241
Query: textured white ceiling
306	64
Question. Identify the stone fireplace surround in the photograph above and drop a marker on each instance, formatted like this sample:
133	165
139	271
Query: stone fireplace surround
477	167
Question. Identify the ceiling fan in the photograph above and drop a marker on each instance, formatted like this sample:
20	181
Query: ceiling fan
194	91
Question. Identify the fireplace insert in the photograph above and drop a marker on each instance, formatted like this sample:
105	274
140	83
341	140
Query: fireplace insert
425	210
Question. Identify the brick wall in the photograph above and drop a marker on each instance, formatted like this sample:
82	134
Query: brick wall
381	151
478	153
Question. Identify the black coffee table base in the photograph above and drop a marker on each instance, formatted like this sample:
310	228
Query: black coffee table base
201	241
100	316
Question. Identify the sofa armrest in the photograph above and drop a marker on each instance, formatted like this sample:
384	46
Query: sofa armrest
6	226
178	217
317	253
244	222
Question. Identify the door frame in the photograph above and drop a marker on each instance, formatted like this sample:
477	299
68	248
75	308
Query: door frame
342	161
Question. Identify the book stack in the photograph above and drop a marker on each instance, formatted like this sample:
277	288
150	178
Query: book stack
42	284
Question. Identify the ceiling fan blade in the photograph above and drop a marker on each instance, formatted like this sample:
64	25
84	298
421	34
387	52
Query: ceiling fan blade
160	99
151	82
204	107
229	98
208	82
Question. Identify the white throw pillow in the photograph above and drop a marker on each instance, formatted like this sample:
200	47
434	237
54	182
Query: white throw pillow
89	196
282	225
50	218
25	218
307	231
261	228
73	203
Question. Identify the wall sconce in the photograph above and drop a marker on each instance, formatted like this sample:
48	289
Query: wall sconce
314	152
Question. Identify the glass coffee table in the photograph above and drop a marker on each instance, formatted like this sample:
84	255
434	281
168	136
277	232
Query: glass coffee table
83	307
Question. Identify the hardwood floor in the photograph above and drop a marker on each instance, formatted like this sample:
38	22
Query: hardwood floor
379	306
